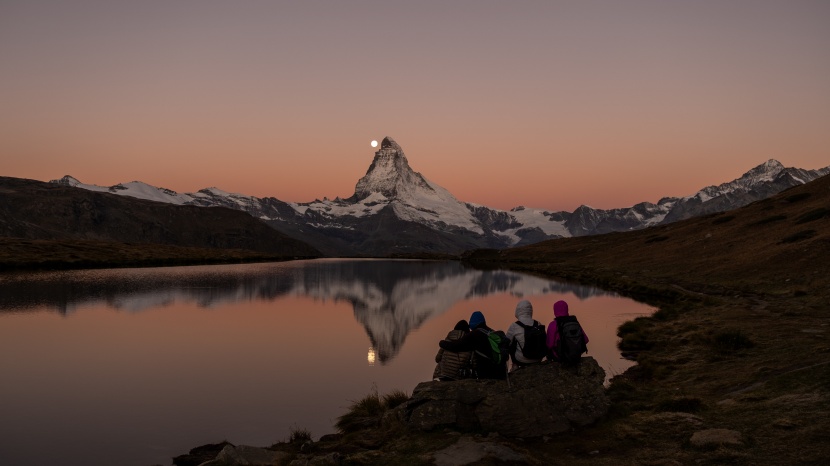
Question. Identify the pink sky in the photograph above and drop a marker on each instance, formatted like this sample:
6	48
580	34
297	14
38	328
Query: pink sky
545	104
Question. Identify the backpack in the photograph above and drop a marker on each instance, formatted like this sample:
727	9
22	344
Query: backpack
571	340
535	346
499	346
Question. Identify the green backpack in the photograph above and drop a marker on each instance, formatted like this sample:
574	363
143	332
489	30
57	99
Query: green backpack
499	346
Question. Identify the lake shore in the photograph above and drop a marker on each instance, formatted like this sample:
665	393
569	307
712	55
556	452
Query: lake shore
28	254
732	369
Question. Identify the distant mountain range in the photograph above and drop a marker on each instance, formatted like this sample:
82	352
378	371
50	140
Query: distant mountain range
395	210
35	210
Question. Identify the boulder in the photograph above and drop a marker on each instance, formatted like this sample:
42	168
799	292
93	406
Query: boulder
540	400
243	455
469	451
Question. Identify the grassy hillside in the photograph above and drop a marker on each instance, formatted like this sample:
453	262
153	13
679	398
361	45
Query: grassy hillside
17	253
740	342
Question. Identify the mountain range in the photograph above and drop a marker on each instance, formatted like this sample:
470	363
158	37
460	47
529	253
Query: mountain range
34	210
395	210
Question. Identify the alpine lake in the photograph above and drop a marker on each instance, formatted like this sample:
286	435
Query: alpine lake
135	366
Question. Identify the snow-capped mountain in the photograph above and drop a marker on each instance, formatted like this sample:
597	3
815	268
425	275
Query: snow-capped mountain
391	184
396	210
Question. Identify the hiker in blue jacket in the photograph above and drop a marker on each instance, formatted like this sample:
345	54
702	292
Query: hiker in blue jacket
478	342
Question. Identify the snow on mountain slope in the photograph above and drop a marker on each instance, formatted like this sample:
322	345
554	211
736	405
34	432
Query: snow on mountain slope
135	189
392	187
391	181
537	218
151	193
73	182
766	172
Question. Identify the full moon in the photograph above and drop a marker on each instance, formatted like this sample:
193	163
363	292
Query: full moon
374	143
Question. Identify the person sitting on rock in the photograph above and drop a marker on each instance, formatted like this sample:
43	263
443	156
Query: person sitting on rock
527	337
451	365
484	367
566	339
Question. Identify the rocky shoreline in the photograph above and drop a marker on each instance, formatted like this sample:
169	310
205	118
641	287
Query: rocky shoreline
482	417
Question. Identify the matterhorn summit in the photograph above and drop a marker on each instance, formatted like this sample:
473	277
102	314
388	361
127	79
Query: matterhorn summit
390	183
389	175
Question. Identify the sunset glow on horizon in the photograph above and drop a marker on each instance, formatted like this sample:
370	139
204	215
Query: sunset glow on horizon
542	104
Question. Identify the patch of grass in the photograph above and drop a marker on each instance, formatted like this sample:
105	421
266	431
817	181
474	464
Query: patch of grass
797	197
633	326
395	398
764	221
299	435
638	341
635	335
723	219
800	236
367	412
663	314
731	340
681	404
815	214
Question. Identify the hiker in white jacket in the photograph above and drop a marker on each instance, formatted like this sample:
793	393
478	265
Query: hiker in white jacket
522	352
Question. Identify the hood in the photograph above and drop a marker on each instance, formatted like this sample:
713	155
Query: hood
477	319
462	325
560	309
524	312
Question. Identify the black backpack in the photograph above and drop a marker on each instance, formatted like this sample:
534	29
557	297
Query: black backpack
536	346
571	340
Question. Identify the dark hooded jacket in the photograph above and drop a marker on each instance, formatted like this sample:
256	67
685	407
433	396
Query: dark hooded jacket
478	342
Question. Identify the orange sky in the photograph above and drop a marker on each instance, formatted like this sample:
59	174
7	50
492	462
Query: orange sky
546	104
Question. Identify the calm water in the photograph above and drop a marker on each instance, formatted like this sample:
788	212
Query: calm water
134	366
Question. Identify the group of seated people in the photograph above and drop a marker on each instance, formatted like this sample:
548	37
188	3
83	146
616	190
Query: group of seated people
471	350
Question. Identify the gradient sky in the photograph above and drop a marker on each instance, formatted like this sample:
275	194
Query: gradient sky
548	104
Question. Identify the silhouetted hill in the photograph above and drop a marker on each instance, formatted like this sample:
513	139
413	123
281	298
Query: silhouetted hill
34	210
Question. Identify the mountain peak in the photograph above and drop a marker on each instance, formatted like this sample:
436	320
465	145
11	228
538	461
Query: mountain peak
764	172
389	174
67	180
769	165
389	143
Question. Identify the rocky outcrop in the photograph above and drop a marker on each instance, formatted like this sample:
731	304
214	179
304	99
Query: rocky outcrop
538	401
243	455
471	451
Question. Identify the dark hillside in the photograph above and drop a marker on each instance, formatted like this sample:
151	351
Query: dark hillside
735	366
34	210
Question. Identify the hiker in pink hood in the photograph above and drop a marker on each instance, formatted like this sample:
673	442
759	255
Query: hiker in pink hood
560	313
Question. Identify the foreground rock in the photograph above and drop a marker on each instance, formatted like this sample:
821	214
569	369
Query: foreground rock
243	455
469	451
540	400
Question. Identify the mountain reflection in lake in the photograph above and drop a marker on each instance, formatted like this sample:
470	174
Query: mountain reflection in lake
238	352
